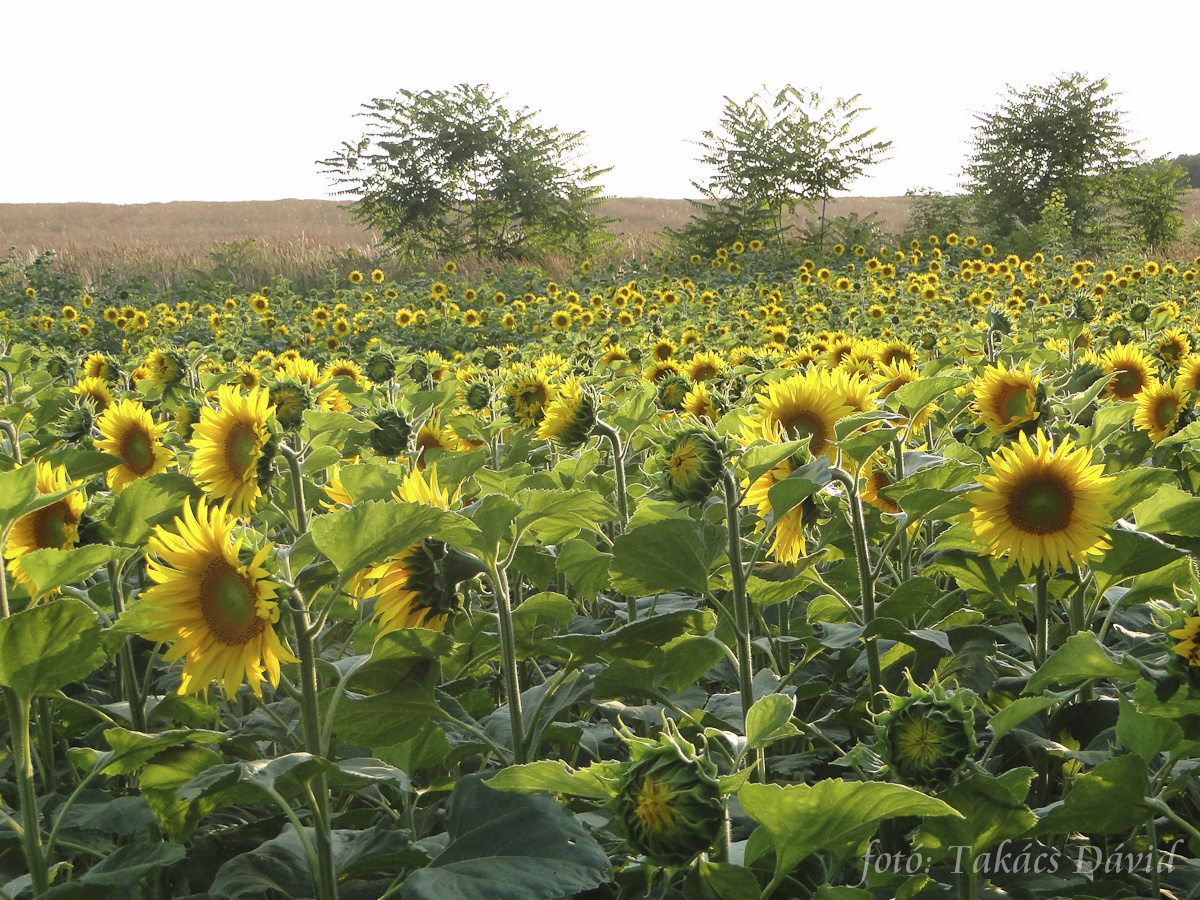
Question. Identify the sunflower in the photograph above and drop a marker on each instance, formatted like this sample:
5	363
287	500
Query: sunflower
788	544
570	417
704	365
1174	347
218	611
805	406
96	390
131	435
230	443
405	587
1131	369
701	404
1042	506
97	365
52	527
527	397
1159	407
1005	399
1189	640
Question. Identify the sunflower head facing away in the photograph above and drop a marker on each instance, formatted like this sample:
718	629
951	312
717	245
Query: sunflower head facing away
570	417
217	610
1042	505
229	445
694	464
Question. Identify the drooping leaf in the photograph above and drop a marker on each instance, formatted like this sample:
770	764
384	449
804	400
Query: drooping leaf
48	646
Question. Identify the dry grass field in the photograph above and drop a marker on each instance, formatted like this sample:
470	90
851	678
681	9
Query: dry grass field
302	239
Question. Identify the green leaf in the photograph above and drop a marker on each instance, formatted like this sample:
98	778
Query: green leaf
1131	486
756	461
1144	734
279	864
1169	511
667	555
830	815
19	494
48	647
155	500
537	618
720	881
919	394
1080	659
322	421
785	495
160	781
506	846
1110	799
368	533
1132	554
558	515
128	865
387	718
993	810
770	720
51	568
321	459
1018	711
941	476
863	446
585	567
599	781
369	481
133	749
249	781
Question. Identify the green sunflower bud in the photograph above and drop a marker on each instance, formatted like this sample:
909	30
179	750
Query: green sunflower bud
492	359
1139	313
58	366
391	434
477	396
1085	309
419	370
380	368
669	805
290	399
1119	335
229	354
78	421
694	465
928	736
672	389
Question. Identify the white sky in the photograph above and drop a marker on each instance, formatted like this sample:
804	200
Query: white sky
135	102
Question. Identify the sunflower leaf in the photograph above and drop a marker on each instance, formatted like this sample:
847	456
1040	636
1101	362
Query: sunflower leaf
49	646
51	568
150	501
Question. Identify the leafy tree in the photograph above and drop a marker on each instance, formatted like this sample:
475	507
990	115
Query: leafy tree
776	153
1149	198
458	172
1191	166
1063	137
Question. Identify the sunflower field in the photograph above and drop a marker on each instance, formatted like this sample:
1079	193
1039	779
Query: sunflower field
863	575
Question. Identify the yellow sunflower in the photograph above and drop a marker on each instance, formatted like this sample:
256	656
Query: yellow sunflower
131	435
229	444
404	587
701	404
527	397
788	530
1041	506
803	407
704	365
1005	399
55	526
95	389
1189	643
1158	410
1131	369
217	611
570	416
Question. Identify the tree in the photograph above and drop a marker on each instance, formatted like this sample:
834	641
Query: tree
1190	163
1063	137
1149	198
458	172
775	154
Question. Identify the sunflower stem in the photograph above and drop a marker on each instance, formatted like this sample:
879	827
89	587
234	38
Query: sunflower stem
905	555
11	430
865	581
31	836
1041	614
293	460
310	720
618	452
741	604
508	661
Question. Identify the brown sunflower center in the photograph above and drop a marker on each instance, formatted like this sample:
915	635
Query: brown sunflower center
1166	413
54	525
240	445
1126	383
1014	403
137	451
807	425
1042	505
227	601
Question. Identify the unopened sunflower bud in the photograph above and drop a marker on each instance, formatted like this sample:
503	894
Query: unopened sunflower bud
391	434
928	736
694	465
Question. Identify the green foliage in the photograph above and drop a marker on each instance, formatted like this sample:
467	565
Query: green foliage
1190	163
932	212
458	172
1063	137
1149	197
772	154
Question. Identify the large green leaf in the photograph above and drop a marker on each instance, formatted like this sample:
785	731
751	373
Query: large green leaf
1169	511
558	515
279	864
1110	799
832	815
51	568
921	393
160	781
1081	658
507	846
128	865
133	749
770	720
667	555
597	782
993	810
1144	734
585	567
150	501
49	646
368	533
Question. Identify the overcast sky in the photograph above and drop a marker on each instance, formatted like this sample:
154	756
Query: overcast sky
137	102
